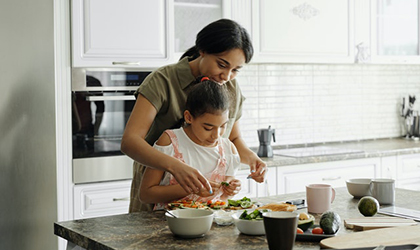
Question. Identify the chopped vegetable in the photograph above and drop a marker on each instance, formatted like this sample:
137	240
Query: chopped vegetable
317	230
255	215
224	183
244	202
299	231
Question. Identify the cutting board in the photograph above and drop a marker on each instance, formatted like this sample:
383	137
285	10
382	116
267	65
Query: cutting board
367	223
372	238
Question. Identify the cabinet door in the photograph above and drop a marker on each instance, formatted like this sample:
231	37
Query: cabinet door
395	31
299	31
101	199
193	15
119	33
295	178
408	167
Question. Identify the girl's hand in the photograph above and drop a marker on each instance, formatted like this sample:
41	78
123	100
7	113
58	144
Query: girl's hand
205	193
190	179
258	168
233	188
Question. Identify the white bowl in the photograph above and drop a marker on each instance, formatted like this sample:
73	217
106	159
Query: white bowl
250	227
191	223
223	218
358	187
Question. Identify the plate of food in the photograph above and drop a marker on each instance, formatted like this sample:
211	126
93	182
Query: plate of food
244	203
185	204
279	206
191	204
313	233
308	231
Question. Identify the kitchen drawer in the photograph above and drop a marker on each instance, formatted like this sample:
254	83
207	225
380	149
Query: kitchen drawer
408	166
411	184
295	178
101	199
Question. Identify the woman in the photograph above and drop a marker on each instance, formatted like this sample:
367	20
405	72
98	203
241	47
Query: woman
221	49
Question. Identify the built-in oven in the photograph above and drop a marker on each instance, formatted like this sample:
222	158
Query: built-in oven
102	103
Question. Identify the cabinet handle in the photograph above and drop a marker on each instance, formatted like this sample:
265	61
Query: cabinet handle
111	98
125	63
331	178
121	199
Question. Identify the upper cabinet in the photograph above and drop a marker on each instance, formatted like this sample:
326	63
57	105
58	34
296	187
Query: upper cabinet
123	33
191	16
138	33
150	34
395	31
316	31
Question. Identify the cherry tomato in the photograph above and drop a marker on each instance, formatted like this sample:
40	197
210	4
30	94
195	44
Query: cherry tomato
317	230
299	231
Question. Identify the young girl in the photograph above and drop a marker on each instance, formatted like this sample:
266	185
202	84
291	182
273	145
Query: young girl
198	143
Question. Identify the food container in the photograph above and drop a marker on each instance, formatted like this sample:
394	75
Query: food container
190	223
249	227
358	187
223	218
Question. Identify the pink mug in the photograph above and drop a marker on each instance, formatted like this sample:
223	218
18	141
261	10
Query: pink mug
319	197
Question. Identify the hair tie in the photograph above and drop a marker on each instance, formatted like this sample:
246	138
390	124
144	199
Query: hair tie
205	78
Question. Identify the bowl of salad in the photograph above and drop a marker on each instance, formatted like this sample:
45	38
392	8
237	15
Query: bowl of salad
250	221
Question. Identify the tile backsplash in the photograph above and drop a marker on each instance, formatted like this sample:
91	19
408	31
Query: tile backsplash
316	103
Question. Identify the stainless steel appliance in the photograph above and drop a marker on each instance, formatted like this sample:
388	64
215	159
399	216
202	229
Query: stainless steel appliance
102	103
264	136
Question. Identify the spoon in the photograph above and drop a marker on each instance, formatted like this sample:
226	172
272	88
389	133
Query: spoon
169	212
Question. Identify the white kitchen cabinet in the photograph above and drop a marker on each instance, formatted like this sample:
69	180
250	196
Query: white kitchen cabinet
193	15
101	199
294	178
318	31
121	33
395	31
408	171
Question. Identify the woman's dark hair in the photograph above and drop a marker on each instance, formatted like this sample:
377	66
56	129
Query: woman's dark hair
207	97
220	36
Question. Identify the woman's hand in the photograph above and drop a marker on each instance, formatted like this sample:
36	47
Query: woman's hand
233	188
258	168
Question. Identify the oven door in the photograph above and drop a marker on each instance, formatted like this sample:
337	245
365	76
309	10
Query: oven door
99	120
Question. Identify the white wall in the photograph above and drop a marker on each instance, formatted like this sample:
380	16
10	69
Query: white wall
311	103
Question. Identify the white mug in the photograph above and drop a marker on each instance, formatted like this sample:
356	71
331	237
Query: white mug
383	190
319	197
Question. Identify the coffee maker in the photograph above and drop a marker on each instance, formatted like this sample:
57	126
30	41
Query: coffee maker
264	135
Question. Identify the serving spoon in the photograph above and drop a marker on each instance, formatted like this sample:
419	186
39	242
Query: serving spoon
169	212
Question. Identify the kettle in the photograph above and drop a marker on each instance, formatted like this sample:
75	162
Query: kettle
264	136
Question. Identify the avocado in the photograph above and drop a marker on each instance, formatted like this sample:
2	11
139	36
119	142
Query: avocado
305	221
368	206
330	222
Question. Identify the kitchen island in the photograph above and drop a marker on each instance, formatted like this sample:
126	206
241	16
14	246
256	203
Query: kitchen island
149	230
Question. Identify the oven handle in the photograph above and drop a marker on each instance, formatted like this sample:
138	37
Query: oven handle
111	98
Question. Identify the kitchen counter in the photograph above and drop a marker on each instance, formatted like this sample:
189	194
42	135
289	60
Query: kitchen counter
357	150
149	230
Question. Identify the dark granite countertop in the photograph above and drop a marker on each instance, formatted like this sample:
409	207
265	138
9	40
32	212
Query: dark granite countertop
149	230
361	149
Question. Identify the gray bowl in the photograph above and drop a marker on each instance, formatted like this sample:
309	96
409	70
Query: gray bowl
358	187
190	223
